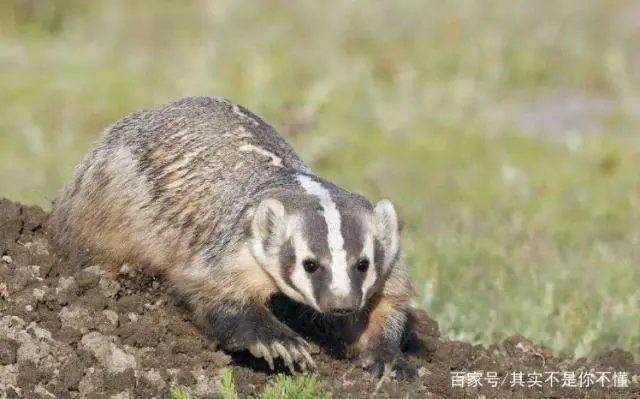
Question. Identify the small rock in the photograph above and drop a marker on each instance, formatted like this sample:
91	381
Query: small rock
154	379
107	321
71	372
7	259
22	277
91	383
184	346
8	376
186	378
95	269
86	279
142	333
218	358
40	333
94	300
14	392
39	293
11	322
116	381
28	374
130	304
60	393
64	298
172	373
28	308
155	305
75	317
109	287
127	269
65	284
40	390
48	319
122	395
32	351
204	385
114	359
8	351
68	335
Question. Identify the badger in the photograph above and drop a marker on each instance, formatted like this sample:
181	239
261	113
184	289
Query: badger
210	195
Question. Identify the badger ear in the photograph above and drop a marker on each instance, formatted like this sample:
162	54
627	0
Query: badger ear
387	229
268	226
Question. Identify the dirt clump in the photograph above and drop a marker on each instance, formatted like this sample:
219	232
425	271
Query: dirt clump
71	332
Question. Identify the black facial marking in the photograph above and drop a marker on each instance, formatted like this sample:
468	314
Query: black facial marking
287	264
357	279
315	235
353	234
378	256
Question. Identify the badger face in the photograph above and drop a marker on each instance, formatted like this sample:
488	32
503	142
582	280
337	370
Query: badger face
329	252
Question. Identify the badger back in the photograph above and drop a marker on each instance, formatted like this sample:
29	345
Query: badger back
162	181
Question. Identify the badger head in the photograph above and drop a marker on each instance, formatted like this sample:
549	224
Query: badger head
326	248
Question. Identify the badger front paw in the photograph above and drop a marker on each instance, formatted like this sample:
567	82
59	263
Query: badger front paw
289	347
255	329
380	360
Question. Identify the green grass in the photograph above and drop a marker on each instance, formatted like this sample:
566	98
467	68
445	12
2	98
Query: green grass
227	386
178	392
286	387
282	387
509	229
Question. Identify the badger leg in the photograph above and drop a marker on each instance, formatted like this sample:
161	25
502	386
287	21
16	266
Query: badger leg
230	303
253	327
379	346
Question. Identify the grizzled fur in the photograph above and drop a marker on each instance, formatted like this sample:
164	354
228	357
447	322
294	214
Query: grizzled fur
208	193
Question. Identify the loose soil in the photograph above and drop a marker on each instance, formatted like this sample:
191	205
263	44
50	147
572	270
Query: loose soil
67	332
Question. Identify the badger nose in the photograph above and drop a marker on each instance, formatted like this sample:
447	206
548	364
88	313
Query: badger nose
342	305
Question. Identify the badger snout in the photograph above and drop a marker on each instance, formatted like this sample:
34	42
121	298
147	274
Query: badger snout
340	305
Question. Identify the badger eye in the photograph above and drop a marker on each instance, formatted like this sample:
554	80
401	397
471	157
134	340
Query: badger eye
363	265
310	265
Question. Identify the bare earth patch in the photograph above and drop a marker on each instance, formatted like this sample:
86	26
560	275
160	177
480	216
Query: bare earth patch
69	333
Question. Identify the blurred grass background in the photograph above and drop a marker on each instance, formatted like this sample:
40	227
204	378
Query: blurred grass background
505	131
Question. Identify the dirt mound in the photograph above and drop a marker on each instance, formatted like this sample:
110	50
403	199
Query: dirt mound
77	333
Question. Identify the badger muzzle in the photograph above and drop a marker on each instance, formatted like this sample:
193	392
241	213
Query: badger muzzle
340	305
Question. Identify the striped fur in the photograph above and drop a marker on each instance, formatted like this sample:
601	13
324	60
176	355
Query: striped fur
208	193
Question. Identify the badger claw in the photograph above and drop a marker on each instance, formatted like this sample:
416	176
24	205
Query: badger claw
260	350
292	351
280	351
378	362
267	337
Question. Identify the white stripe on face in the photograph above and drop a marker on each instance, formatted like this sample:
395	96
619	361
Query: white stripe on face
340	281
